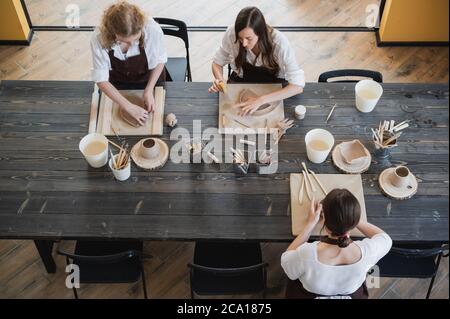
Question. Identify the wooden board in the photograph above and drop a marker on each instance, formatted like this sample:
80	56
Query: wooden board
110	120
299	212
232	120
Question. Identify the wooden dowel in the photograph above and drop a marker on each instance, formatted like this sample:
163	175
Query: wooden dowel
307	176
114	144
308	192
331	112
300	194
318	182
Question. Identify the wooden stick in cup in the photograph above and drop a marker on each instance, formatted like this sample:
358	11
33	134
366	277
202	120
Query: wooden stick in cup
307	176
114	144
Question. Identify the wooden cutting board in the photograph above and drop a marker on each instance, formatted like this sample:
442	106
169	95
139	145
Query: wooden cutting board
110	120
299	212
229	118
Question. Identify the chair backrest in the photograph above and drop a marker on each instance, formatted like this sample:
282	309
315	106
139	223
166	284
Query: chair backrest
420	252
106	259
374	75
178	29
226	272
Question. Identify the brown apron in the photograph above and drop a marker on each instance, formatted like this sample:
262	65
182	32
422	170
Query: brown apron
295	289
255	74
132	72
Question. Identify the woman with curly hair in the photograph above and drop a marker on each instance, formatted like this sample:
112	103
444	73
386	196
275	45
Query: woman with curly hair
128	48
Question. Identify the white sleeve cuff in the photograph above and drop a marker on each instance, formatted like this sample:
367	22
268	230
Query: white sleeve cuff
100	75
296	78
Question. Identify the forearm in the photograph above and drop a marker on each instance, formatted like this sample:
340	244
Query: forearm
302	237
154	76
368	229
113	93
284	93
217	71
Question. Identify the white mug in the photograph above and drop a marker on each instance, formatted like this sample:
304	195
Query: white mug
100	143
324	140
367	94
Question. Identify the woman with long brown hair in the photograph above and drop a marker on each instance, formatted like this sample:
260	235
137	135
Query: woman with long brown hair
257	53
128	48
335	265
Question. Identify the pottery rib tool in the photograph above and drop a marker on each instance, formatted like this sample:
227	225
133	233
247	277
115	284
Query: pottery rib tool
300	194
240	123
94	110
318	182
331	112
113	160
114	144
251	143
223	86
393	138
307	176
308	192
399	128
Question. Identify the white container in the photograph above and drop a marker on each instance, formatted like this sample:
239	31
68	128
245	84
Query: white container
300	112
319	143
367	93
122	174
94	148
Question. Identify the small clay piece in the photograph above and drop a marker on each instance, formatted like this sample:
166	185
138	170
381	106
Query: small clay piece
171	120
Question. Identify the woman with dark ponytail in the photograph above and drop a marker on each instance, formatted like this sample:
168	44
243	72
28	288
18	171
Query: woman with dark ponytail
257	53
335	265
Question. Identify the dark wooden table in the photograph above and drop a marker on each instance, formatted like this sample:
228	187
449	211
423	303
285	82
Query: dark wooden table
48	192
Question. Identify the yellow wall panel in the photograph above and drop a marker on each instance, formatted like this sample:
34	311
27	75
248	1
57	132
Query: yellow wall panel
13	23
415	21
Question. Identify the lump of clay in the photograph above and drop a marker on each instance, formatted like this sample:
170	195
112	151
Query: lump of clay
171	120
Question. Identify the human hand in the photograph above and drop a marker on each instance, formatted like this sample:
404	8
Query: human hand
250	106
217	86
315	212
137	113
149	100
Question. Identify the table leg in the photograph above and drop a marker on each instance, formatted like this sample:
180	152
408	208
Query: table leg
45	248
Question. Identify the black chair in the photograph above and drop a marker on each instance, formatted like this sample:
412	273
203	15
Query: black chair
403	262
224	268
108	262
374	75
179	68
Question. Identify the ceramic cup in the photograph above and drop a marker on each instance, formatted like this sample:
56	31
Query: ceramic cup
94	148
149	148
120	174
367	93
300	112
400	178
319	143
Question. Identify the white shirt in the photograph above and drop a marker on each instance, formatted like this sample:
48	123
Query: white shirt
328	280
283	53
153	45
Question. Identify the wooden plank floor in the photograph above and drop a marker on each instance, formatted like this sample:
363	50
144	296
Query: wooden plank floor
66	56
